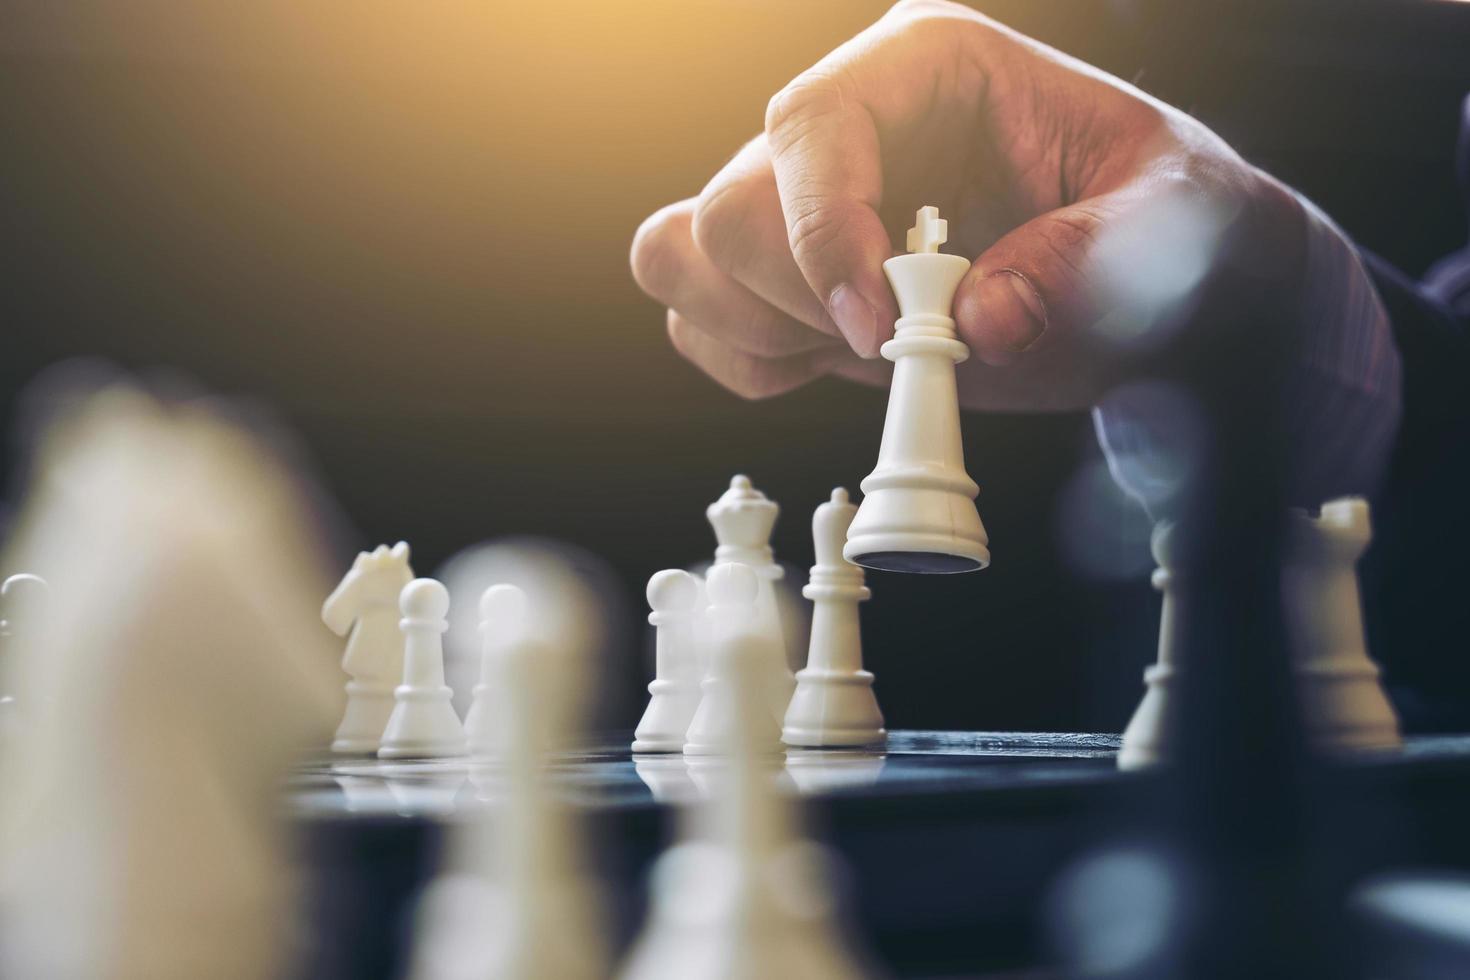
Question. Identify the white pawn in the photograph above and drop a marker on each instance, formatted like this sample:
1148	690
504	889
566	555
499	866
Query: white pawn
737	638
423	723
1343	702
918	512
1144	738
674	596
365	603
502	621
742	519
834	704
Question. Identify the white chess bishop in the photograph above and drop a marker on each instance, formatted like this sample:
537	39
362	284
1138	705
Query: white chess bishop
742	520
364	608
918	511
674	596
423	723
834	704
1343	703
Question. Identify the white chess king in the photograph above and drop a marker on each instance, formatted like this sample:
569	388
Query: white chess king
918	511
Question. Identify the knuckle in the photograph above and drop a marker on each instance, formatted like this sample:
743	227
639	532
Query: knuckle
1070	238
815	226
721	221
655	252
810	96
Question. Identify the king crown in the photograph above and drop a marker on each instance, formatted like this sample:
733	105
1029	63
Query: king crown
929	231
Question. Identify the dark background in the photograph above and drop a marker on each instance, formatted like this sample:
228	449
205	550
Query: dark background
404	227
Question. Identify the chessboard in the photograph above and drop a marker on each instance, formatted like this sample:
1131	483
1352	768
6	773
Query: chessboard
952	840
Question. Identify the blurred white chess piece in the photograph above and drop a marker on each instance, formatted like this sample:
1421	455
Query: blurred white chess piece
24	602
918	511
742	896
834	704
1343	703
674	596
515	901
502	615
423	723
742	519
182	670
365	603
738	636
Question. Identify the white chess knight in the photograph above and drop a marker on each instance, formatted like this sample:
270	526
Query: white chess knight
502	621
736	637
834	704
1343	703
742	896
918	511
423	723
742	519
366	604
674	596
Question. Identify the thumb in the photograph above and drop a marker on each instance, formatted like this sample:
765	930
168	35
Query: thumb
824	150
1036	283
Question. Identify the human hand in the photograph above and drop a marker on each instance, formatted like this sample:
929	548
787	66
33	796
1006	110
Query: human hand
1064	182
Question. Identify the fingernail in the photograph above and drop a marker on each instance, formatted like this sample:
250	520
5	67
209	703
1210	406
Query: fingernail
856	318
1014	310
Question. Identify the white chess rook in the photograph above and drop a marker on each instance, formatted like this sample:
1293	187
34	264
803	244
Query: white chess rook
918	511
502	621
674	694
1143	739
423	723
1342	698
366	603
742	520
834	704
732	591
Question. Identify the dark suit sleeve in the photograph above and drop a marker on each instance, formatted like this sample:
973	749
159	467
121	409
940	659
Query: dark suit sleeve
1416	578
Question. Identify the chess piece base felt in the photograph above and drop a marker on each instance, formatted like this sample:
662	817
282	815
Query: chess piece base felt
917	562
